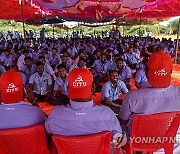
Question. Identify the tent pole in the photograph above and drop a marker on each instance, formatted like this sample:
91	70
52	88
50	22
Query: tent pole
140	22
178	33
42	14
22	12
123	30
53	31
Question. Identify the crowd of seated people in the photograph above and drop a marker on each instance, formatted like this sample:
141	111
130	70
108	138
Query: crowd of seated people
45	66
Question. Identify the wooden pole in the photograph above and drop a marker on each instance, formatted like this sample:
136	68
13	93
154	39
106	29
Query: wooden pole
22	13
177	43
140	22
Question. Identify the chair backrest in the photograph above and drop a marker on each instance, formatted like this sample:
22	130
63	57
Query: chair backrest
26	140
154	131
90	144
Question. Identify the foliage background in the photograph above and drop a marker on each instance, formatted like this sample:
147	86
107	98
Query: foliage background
6	25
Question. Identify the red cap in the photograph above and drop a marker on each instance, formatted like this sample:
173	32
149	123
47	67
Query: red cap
80	83
11	87
159	69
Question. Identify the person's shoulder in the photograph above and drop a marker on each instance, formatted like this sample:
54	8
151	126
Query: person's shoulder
58	109
174	88
100	109
134	94
107	84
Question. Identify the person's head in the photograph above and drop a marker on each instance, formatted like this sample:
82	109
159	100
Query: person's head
103	57
81	62
28	61
7	52
42	60
119	63
39	68
80	84
11	86
160	67
45	50
64	59
25	52
54	51
82	53
113	76
62	70
65	54
15	68
131	49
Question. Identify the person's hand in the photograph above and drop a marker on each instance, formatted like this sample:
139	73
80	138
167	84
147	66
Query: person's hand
119	139
29	95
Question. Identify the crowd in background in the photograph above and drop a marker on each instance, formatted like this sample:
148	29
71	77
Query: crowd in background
44	63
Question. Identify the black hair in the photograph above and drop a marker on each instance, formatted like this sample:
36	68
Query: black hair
39	64
27	58
112	71
61	66
41	57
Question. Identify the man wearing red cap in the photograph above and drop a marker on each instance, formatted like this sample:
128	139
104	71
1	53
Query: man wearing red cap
14	112
81	116
161	97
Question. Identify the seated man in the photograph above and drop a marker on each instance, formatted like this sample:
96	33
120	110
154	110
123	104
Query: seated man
124	72
81	64
14	112
141	80
111	91
161	97
41	83
81	117
60	83
27	69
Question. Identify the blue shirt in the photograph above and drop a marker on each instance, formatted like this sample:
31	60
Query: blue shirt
141	78
60	83
125	73
2	69
149	101
131	58
108	90
28	72
54	60
81	118
41	83
7	61
20	114
101	67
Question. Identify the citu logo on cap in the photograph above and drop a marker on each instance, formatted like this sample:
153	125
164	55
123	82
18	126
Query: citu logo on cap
79	82
161	72
11	88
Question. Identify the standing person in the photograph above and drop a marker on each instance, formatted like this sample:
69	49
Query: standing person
111	91
14	112
161	97
42	34
41	83
81	117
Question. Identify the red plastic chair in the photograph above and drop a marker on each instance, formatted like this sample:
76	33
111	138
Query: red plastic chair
90	144
97	98
27	140
153	132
